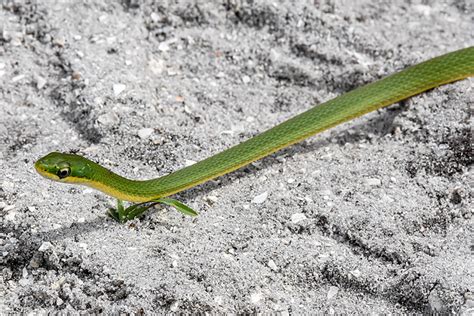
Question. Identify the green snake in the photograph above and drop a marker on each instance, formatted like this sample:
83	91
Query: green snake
71	168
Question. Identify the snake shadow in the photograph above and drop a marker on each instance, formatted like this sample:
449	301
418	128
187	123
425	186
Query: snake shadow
376	127
72	231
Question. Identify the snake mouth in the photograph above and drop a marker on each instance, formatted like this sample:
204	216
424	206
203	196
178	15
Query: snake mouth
43	172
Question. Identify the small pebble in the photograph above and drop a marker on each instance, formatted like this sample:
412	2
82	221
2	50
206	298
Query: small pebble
155	17
17	41
40	82
245	79
163	46
10	216
333	290
262	179
469	296
109	118
34	263
81	220
211	199
189	162
424	9
256	297
174	256
356	273
56	285
326	193
373	182
290	180
118	88
157	67
272	265
45	246
172	72
144	133
469	304
8	187
175	306
92	149
387	199
59	42
8	208
75	75
297	217
435	303
17	78
259	199
25	282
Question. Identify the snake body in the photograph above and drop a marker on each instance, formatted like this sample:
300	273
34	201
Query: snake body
413	80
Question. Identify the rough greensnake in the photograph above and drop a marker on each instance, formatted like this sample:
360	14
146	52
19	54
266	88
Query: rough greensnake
71	168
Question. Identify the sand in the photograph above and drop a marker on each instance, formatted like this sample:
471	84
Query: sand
375	215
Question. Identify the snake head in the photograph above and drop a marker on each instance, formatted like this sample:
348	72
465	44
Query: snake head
63	167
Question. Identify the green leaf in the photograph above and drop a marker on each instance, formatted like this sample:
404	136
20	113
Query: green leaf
122	214
113	214
183	208
117	214
137	210
120	211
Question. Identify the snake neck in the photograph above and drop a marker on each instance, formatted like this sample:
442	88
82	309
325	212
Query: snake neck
110	183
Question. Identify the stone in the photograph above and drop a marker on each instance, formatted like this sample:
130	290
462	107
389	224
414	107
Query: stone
332	293
272	265
373	182
297	217
259	199
145	133
118	88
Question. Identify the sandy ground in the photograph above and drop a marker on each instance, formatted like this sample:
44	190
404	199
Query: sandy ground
372	216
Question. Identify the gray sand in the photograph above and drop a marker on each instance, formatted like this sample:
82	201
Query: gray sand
372	216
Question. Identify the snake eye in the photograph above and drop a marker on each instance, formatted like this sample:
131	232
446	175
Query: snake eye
64	172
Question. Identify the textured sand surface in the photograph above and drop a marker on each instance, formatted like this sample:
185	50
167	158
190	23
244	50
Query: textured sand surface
375	215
